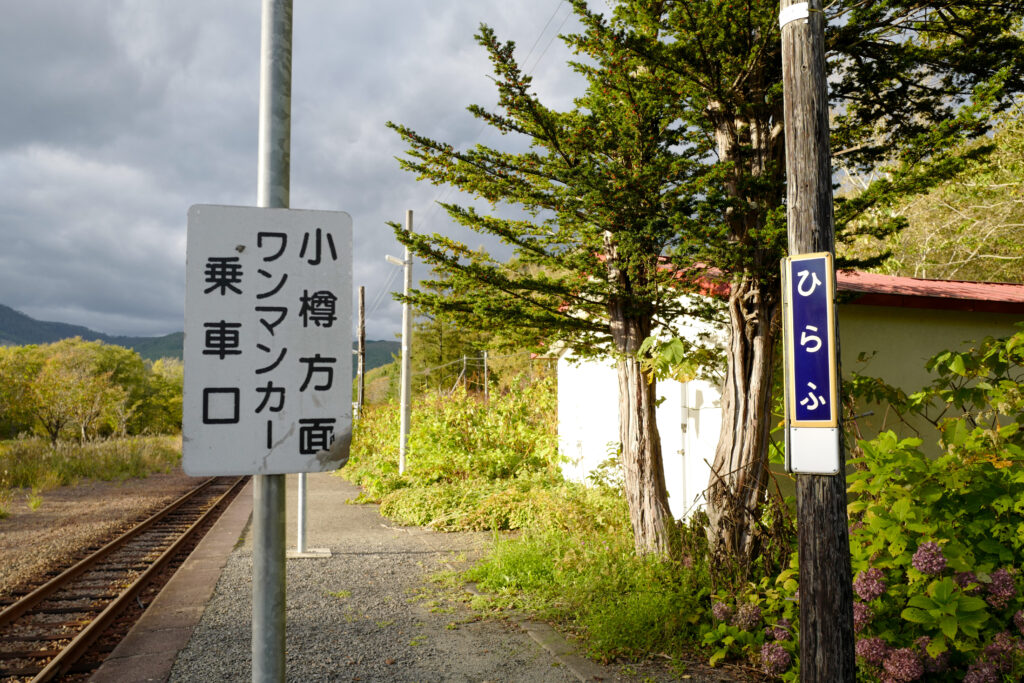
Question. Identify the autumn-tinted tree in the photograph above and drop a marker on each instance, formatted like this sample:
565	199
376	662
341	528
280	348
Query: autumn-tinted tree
970	227
674	154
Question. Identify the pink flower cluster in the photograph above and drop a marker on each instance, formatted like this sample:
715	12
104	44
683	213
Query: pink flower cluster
869	584
862	616
1002	589
747	617
929	558
872	650
774	659
903	665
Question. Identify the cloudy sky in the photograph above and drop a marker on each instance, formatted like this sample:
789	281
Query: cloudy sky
120	114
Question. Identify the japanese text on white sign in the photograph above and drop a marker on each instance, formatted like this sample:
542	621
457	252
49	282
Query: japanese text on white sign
267	341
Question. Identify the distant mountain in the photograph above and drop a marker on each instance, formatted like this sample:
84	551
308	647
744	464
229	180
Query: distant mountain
378	353
18	329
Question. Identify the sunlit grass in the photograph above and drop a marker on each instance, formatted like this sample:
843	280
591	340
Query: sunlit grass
33	464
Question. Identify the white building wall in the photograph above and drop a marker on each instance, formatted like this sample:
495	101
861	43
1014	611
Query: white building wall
689	419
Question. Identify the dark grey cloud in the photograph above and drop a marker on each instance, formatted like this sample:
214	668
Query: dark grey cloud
119	115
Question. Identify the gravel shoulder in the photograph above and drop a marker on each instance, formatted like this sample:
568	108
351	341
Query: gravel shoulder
370	612
72	518
360	615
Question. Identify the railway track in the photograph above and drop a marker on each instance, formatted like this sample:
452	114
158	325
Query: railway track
46	634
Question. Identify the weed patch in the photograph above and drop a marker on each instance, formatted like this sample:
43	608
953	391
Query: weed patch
34	464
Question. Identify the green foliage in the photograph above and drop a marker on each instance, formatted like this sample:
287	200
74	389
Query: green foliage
969	227
31	463
946	534
587	575
467	459
87	390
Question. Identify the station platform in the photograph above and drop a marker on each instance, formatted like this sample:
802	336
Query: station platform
364	613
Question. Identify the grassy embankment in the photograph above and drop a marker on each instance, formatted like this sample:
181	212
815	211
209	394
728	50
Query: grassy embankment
31	466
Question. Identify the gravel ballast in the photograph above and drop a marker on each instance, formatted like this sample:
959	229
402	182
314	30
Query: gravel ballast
72	518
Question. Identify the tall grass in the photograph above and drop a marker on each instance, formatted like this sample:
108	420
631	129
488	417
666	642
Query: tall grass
494	466
32	463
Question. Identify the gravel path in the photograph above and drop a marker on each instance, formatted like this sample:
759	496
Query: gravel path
369	612
360	614
72	518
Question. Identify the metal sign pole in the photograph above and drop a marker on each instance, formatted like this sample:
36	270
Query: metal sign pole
406	354
273	188
300	531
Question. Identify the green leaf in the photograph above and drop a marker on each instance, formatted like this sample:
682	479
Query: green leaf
916	615
948	624
942	590
936	647
970	603
900	508
921	601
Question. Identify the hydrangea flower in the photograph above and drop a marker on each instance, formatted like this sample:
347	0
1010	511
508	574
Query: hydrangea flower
982	672
774	659
872	650
1002	589
1000	651
862	616
1018	621
929	558
903	665
932	665
747	616
869	584
782	630
721	611
965	579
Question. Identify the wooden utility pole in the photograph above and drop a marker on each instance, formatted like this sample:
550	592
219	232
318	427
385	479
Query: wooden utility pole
826	592
361	358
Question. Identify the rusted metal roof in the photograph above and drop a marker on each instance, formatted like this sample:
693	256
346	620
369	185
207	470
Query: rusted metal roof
872	289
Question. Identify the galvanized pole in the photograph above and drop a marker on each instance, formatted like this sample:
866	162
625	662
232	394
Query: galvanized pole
361	358
826	594
487	393
300	516
273	187
406	353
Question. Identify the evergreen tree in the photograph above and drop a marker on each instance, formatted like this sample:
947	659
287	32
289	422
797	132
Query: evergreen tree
671	162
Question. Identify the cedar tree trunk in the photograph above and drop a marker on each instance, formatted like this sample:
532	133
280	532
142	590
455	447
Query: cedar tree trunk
740	471
638	433
754	146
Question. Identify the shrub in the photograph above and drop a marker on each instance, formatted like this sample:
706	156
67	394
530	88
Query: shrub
470	464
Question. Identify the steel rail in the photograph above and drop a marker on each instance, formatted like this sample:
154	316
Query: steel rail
60	664
30	600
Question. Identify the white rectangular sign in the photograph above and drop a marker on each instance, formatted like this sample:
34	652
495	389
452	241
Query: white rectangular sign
268	341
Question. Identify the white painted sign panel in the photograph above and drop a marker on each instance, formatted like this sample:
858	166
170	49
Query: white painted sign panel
268	341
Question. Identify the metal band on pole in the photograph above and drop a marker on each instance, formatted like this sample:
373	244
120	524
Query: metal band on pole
273	188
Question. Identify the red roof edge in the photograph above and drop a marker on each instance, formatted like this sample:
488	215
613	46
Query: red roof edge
873	289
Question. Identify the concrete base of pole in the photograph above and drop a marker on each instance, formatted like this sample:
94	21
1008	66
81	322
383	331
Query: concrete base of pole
309	552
